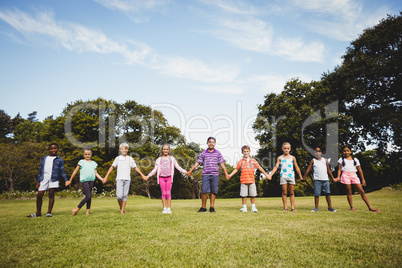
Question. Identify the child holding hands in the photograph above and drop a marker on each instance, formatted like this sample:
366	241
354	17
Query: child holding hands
88	172
164	167
124	164
348	166
287	178
321	181
247	180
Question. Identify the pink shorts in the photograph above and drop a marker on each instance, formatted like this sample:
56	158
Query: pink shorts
349	177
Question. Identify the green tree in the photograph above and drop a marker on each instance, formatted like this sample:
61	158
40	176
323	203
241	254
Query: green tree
368	85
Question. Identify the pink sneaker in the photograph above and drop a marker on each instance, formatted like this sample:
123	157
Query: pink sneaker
352	209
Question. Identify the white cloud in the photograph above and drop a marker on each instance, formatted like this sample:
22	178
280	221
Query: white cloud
132	5
233	7
342	20
44	29
295	49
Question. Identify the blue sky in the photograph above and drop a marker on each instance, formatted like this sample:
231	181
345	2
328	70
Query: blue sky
206	64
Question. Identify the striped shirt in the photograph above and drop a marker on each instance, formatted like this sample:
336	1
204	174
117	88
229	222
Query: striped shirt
211	161
247	167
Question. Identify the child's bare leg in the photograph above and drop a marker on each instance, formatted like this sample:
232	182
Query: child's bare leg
244	200
39	198
364	196
328	197
123	207
169	202
51	200
75	211
120	202
284	196
164	202
212	201
87	213
316	201
292	196
204	198
349	195
252	199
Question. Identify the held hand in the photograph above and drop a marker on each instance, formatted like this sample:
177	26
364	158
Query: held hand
227	176
104	180
38	185
67	183
364	183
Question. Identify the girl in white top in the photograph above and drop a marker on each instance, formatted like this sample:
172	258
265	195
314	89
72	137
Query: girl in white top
349	165
164	167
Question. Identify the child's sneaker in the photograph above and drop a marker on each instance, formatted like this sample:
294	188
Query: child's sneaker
202	210
332	210
254	210
49	215
315	210
164	210
243	209
212	209
168	211
33	215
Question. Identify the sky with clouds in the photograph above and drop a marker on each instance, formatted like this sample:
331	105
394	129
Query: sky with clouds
206	64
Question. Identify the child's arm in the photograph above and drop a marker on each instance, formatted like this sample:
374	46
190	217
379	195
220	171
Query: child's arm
98	176
329	171
139	172
265	173
361	175
297	168
339	172
308	170
224	168
191	170
178	167
72	175
231	174
108	173
278	160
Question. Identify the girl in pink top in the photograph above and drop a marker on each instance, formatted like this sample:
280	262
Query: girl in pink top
164	167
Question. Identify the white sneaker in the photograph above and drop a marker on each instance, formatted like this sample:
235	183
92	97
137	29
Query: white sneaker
254	210
168	211
243	209
164	210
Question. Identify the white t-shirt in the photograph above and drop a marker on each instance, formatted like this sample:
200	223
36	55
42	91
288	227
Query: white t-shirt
47	170
320	170
124	165
349	164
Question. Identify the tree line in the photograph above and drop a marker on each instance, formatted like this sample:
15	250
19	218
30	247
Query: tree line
357	103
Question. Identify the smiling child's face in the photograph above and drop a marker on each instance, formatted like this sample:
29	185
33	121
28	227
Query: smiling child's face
166	150
246	152
53	149
211	144
124	151
346	152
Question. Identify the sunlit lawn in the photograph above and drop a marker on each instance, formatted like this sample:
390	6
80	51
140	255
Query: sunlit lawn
144	237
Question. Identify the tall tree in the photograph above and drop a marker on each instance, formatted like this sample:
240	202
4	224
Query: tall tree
368	85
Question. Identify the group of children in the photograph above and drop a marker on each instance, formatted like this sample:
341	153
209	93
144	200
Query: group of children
52	168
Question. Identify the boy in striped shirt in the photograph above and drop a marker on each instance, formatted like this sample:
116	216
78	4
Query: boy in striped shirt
247	187
211	159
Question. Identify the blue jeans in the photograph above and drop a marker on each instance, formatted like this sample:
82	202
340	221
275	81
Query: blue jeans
209	184
321	186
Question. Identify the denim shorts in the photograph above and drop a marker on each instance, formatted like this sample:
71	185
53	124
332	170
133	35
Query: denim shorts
321	186
209	184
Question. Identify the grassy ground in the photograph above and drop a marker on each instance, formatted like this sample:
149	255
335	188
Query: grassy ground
146	238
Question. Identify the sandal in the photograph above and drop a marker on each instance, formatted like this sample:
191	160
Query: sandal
285	209
374	210
293	210
33	215
352	209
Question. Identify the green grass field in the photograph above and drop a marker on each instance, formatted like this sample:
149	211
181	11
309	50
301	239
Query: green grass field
144	237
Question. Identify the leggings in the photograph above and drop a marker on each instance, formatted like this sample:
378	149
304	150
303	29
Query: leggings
87	187
166	187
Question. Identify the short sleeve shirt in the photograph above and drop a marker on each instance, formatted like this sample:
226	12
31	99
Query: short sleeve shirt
211	161
349	164
124	165
247	167
87	170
